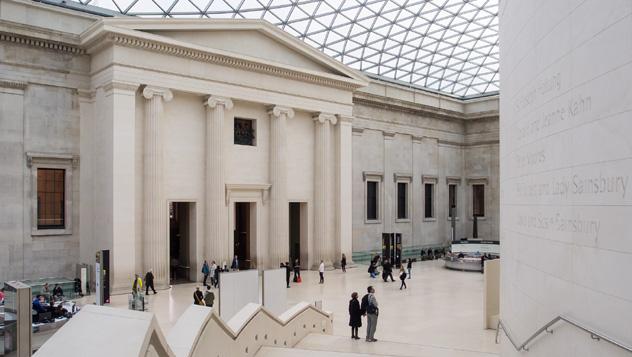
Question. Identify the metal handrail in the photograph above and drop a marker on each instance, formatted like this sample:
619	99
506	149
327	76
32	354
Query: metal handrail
595	335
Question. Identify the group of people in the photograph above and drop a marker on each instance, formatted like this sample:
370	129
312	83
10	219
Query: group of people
137	284
205	299
387	270
288	271
367	307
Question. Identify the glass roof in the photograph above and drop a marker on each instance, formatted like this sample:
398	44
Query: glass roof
448	46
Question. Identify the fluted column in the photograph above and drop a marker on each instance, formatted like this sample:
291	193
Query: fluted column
216	222
278	241
324	189
155	241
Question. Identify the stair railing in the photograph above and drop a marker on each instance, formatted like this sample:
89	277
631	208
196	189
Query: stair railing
595	335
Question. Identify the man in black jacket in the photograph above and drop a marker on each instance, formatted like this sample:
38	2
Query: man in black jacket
149	282
388	270
287	272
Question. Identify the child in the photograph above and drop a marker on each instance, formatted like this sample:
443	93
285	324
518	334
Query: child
402	277
355	316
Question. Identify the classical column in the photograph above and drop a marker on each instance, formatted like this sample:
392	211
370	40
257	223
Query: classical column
216	222
344	188
324	189
155	242
278	240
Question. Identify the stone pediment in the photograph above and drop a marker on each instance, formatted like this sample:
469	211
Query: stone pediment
248	40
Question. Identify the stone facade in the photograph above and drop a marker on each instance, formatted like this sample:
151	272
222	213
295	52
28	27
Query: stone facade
140	114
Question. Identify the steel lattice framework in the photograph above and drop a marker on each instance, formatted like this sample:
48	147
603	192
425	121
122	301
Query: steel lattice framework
449	46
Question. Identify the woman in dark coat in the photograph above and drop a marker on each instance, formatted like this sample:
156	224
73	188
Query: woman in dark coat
355	315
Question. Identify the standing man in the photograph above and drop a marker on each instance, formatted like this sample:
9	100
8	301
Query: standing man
409	266
287	272
297	270
149	282
343	263
321	272
370	308
212	272
235	264
206	271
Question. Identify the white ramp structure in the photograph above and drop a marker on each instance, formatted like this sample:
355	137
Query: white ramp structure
243	335
99	331
236	290
275	290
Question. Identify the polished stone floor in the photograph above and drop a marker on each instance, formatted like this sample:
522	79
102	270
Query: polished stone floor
441	309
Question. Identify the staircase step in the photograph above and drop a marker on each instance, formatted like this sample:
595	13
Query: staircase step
332	343
268	351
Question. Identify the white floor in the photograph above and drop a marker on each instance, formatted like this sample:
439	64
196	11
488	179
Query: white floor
441	309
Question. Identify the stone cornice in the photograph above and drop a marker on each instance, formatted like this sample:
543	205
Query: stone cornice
225	60
120	86
387	103
41	43
5	83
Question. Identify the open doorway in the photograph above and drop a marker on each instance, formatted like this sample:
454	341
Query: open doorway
244	234
298	233
181	241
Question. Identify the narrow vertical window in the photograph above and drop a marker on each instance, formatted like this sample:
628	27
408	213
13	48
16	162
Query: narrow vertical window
51	198
478	200
402	200
429	200
451	200
371	200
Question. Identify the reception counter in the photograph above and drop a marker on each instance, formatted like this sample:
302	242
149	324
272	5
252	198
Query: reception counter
463	264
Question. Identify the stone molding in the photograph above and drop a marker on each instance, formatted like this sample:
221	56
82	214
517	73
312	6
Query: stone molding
357	130
323	117
276	111
51	158
120	86
5	83
345	119
372	175
46	44
212	101
430	179
207	56
402	176
150	91
453	180
388	135
477	180
264	190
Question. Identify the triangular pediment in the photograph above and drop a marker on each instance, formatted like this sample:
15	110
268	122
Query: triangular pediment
251	39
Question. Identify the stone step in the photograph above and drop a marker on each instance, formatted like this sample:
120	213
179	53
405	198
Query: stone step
340	344
267	351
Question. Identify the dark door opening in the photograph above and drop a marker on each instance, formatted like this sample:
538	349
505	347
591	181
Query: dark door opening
180	242
295	232
242	235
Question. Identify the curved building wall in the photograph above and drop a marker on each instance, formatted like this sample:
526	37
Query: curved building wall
566	165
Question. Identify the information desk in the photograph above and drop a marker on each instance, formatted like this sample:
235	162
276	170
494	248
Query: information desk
464	264
473	246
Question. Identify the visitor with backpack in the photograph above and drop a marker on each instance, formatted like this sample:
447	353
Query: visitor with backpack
402	277
369	307
206	271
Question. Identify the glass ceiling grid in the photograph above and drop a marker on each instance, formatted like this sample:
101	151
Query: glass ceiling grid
448	46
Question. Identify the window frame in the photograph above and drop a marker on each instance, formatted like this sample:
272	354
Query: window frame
54	191
254	130
471	183
66	162
377	177
456	182
405	179
430	180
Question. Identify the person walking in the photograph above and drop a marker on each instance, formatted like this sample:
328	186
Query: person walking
402	277
206	271
149	282
343	263
216	277
288	272
235	264
321	272
297	271
209	297
409	266
355	316
212	273
369	307
388	270
198	297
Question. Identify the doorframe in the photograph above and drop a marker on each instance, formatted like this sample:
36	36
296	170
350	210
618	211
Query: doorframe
195	245
305	217
254	194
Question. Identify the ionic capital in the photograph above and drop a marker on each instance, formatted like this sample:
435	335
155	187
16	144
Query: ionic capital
151	91
213	101
323	117
277	111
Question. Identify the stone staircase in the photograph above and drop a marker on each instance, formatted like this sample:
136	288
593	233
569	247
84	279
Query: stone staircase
321	345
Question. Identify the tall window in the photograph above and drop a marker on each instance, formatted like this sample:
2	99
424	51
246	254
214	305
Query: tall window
244	132
51	198
451	200
402	200
372	200
429	200
478	200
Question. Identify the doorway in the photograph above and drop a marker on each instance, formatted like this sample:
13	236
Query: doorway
298	233
244	234
181	241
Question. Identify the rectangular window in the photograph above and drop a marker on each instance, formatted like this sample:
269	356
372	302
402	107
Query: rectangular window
51	198
372	200
402	200
429	200
244	132
451	200
478	200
